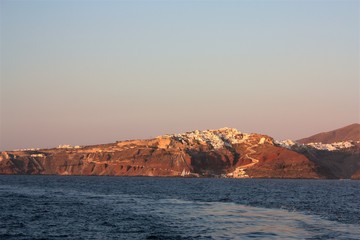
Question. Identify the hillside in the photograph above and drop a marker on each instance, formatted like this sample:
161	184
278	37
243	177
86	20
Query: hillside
337	151
351	132
223	152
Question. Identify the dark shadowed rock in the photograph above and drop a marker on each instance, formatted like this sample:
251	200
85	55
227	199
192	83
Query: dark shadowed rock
356	175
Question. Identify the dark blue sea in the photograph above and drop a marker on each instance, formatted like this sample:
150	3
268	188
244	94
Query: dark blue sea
72	207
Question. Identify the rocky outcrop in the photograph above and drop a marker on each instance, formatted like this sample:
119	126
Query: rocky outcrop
224	152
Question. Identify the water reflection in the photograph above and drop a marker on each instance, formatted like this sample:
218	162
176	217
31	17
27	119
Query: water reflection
222	220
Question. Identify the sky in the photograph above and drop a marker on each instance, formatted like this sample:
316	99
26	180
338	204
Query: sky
89	72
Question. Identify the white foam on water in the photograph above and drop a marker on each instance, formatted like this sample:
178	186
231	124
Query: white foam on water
235	221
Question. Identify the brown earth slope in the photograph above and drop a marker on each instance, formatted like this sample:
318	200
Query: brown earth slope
223	152
351	132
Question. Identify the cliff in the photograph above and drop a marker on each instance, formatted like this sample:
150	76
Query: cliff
337	152
224	152
340	163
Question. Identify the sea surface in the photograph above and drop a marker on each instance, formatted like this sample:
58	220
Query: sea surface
74	207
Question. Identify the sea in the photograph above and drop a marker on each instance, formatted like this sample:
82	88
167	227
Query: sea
103	207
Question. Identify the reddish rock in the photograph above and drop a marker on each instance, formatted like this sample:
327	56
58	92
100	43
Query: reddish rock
223	152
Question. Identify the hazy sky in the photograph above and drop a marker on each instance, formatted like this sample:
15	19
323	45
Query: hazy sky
86	72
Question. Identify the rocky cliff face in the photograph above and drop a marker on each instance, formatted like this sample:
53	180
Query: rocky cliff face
224	152
341	163
336	152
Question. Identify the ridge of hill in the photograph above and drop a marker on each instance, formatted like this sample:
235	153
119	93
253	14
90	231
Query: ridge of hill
350	132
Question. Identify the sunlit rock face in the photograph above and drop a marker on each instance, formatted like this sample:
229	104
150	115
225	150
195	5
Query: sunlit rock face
224	152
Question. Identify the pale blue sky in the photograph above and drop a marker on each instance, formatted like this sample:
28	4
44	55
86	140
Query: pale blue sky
86	72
